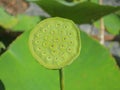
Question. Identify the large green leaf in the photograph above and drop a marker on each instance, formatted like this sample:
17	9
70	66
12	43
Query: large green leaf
25	22
112	24
94	69
17	23
20	71
85	12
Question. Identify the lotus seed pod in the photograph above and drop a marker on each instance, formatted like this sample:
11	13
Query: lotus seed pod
55	42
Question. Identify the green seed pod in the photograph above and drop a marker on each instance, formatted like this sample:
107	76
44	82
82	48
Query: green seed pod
55	42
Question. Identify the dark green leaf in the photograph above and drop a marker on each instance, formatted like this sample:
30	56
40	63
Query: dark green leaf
85	12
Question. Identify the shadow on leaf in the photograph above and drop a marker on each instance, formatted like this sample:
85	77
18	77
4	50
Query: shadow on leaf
2	87
117	58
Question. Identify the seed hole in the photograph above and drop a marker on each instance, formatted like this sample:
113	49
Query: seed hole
65	26
69	49
71	42
44	44
56	40
44	30
52	46
43	53
62	46
57	24
56	58
54	51
65	38
38	35
61	31
33	40
37	41
38	48
49	58
70	34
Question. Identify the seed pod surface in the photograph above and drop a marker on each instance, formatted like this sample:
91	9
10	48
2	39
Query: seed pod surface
55	42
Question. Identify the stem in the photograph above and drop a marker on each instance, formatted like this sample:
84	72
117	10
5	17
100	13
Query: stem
102	31
102	28
61	79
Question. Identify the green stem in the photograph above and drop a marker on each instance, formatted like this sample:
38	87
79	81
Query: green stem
61	79
102	28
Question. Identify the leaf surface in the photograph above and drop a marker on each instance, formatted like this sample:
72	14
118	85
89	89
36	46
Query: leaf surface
20	71
85	12
94	69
